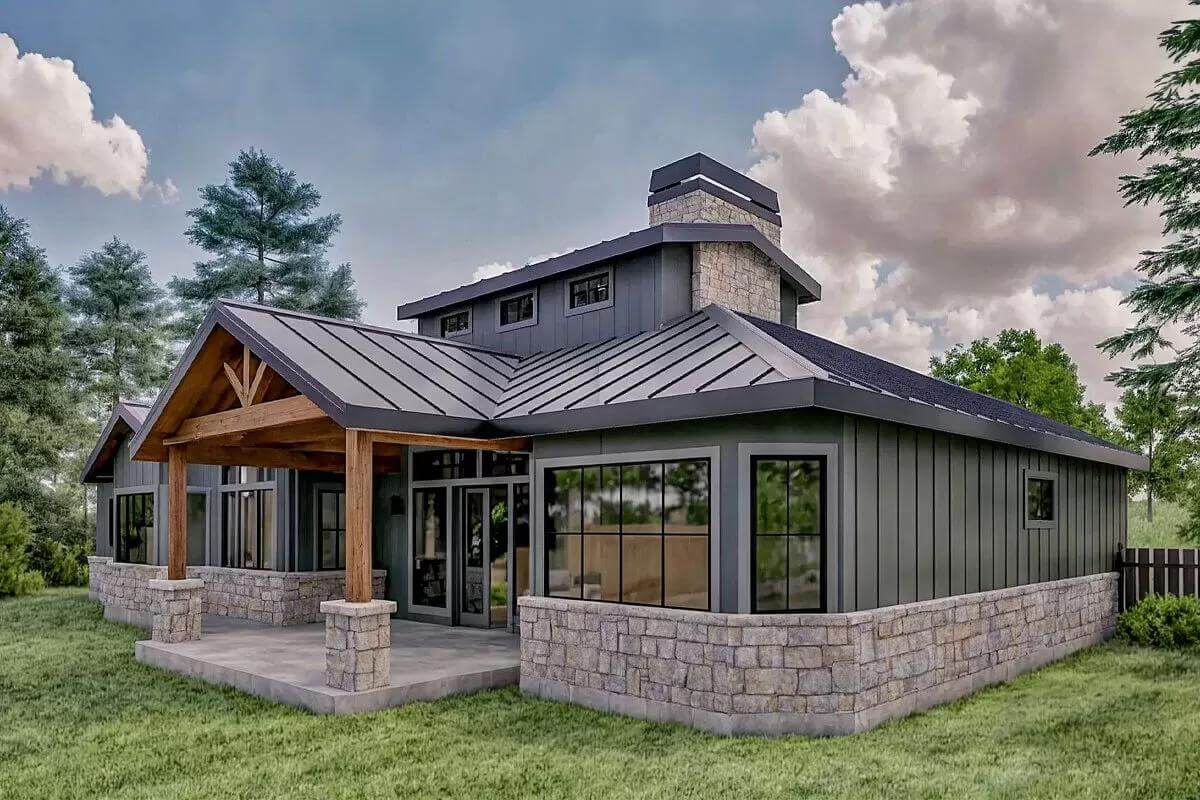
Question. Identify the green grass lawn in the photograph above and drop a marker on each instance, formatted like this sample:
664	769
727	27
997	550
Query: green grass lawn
1160	533
80	718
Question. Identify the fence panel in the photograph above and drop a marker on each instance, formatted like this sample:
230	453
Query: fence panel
1158	570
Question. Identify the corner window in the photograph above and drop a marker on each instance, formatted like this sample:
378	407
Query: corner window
593	291
788	529
135	527
456	324
331	529
1040	511
518	310
630	533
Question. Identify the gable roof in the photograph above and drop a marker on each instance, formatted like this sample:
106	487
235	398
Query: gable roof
808	290
126	418
711	363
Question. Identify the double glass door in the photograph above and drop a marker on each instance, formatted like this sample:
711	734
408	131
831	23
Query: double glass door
483	578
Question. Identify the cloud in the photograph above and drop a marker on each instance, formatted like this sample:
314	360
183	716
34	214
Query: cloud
492	270
47	126
951	174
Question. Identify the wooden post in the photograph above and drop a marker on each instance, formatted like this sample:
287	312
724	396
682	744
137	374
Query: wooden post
358	515
177	513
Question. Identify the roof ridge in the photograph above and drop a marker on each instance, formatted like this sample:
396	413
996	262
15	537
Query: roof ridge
349	323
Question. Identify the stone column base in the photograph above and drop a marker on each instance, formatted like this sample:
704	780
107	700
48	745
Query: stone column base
358	642
177	606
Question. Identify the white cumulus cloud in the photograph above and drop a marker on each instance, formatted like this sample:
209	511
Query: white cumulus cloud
951	174
48	127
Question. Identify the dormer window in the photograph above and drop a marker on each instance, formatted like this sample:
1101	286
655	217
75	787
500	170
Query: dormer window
517	310
456	324
589	292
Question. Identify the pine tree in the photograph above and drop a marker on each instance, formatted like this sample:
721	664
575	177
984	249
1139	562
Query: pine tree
1166	134
268	245
119	330
39	413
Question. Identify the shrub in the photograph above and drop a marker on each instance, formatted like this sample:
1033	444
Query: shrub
15	578
59	564
1162	621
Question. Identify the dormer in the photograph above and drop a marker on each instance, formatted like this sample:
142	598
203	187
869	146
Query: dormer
713	238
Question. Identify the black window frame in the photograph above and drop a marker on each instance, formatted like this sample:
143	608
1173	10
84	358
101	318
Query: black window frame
339	531
444	465
571	307
502	464
1047	477
465	313
518	297
620	534
823	534
227	535
128	504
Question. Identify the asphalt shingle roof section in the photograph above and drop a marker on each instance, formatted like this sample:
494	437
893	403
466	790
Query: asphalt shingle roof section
852	367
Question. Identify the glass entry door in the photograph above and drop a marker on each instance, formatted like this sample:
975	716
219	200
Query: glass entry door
483	598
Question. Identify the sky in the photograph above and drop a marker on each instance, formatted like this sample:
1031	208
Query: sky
930	155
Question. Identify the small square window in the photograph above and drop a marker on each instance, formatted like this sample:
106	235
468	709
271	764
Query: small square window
456	324
517	309
589	291
1040	511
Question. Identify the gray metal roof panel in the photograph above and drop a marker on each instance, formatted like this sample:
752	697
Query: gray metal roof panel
666	233
676	172
127	417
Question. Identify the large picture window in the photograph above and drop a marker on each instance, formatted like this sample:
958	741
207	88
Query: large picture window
430	536
331	529
788	528
197	528
630	533
248	528
135	527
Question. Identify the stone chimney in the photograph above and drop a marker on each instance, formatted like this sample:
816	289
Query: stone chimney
733	274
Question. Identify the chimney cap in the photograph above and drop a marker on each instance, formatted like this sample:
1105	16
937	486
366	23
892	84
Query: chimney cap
698	164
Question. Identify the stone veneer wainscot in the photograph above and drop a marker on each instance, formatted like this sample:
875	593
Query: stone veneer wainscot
823	674
273	598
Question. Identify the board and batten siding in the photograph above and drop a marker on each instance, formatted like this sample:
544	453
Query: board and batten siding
928	515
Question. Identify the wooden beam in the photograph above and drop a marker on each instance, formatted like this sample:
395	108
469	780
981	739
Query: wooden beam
510	445
176	513
358	515
251	418
280	458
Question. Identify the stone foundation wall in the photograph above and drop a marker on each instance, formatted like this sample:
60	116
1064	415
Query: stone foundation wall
821	674
273	598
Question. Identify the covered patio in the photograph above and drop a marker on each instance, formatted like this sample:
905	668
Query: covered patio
262	387
287	665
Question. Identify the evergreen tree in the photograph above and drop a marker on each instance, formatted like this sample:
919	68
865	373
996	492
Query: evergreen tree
1018	368
39	414
1165	134
268	245
1151	422
119	325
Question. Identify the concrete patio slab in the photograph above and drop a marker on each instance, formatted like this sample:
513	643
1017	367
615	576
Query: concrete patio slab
287	665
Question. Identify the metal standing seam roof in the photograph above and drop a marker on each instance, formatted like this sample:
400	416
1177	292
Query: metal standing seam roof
708	364
665	233
126	417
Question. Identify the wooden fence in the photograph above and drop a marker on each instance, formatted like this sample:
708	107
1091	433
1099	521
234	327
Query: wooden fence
1158	570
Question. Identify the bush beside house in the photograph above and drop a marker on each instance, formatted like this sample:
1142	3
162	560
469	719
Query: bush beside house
15	577
1162	621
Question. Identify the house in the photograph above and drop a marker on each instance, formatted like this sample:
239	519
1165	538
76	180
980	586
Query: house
630	455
